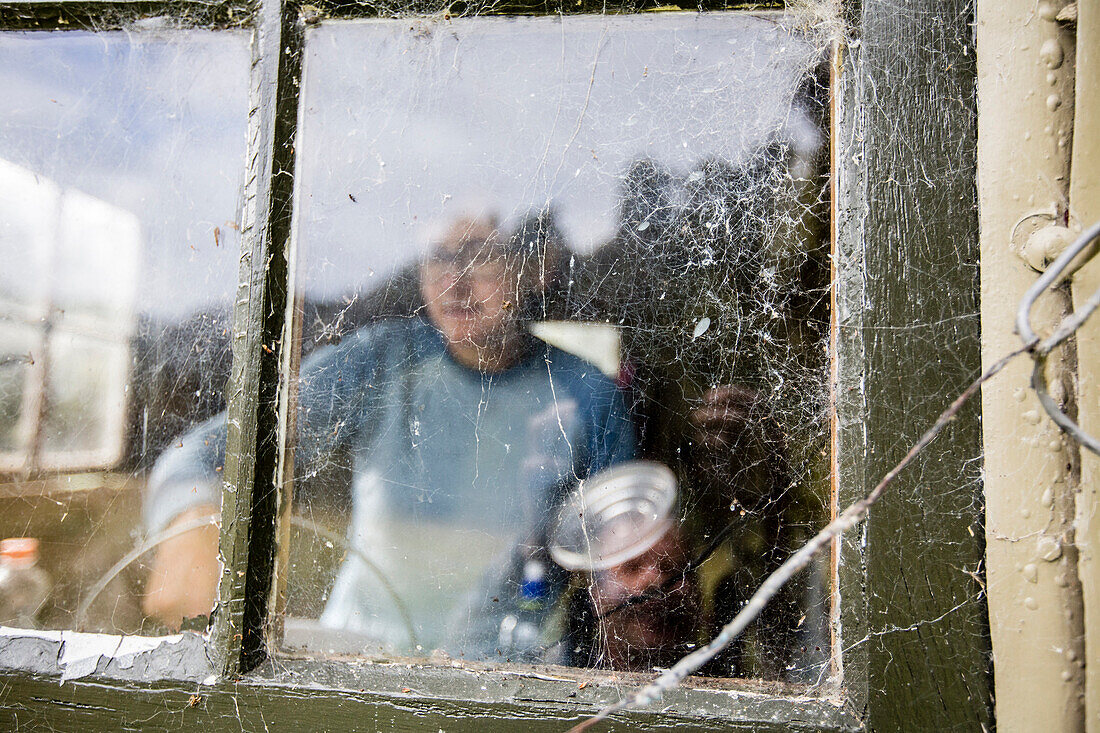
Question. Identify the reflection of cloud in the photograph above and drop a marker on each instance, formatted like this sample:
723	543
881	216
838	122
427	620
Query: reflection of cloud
524	111
527	111
153	123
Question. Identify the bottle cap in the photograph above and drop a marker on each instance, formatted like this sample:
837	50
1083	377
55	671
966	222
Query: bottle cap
534	570
19	548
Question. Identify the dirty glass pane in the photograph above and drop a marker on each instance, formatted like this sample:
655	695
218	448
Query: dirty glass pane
543	256
123	157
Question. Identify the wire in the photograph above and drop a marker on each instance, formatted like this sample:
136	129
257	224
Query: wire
295	520
796	562
1040	349
1033	345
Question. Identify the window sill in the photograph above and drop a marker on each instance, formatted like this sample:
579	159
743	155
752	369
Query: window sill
565	693
71	655
108	679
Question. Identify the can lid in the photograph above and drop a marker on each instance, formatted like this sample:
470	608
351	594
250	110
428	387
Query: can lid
614	516
19	548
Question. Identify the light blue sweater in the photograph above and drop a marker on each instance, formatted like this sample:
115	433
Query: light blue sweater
455	474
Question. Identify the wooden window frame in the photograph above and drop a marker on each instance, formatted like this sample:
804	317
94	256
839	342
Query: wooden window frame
912	625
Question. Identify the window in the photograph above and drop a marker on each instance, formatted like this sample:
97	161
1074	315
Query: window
59	415
259	460
636	172
120	195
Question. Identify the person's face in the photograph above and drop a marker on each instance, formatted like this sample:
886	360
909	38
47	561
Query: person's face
651	632
649	571
470	289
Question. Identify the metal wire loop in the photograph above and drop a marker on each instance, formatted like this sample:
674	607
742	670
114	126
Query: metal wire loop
1068	326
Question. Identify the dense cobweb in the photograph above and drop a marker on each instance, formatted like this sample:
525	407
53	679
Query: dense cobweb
681	206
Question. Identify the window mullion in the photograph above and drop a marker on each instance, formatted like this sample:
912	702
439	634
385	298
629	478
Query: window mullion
250	497
850	401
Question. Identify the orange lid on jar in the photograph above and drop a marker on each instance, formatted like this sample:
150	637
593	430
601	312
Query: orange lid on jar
19	548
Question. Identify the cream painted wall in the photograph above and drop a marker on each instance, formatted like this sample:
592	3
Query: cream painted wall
1026	62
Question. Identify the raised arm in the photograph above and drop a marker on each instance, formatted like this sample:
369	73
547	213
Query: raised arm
336	385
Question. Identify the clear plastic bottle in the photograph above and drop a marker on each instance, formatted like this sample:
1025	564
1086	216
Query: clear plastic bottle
24	586
520	632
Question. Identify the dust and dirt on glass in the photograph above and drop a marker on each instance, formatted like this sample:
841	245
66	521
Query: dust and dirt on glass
563	392
555	273
119	186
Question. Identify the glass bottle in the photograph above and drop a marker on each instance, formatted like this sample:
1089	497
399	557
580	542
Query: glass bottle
24	586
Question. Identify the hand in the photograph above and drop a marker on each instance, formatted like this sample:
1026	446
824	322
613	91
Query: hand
183	579
738	462
726	412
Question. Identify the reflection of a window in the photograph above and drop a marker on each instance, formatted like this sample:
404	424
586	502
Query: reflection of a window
65	324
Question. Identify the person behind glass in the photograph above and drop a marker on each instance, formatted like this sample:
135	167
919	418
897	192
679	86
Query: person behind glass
464	431
640	614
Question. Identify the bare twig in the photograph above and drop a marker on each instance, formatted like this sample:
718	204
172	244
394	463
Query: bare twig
796	562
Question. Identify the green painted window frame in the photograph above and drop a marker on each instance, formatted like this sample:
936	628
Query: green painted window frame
912	625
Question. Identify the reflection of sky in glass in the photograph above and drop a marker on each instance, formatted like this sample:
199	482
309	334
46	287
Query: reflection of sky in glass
154	124
404	121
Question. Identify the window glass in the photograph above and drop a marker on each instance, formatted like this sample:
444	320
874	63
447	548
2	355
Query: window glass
563	395
123	155
548	249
